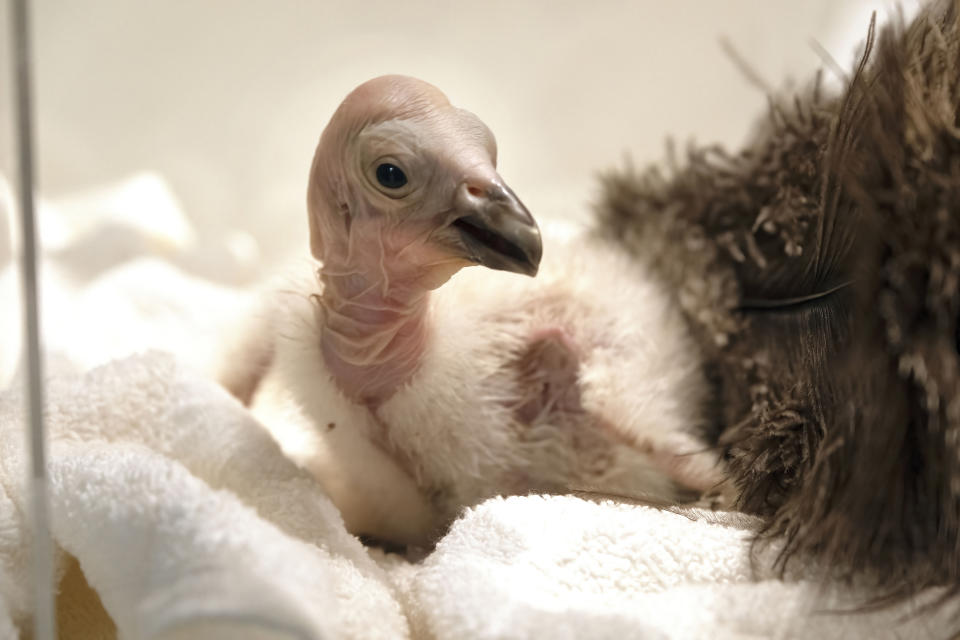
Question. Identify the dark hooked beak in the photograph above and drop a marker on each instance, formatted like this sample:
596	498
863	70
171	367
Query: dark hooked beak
497	230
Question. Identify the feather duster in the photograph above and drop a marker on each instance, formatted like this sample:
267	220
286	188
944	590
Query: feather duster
819	268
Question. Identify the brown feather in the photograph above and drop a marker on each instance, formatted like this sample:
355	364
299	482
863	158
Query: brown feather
820	269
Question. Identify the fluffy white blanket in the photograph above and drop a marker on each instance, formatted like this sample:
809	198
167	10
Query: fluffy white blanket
176	516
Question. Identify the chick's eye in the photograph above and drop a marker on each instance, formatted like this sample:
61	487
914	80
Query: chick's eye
391	176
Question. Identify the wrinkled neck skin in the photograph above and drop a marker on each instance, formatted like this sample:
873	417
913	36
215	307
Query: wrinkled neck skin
382	255
376	278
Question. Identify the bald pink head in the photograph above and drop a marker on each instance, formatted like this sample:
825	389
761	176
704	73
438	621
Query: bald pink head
440	164
403	192
387	98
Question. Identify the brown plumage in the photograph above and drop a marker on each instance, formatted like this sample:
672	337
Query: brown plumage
820	270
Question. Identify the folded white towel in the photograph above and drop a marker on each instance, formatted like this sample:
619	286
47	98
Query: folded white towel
562	567
184	515
169	555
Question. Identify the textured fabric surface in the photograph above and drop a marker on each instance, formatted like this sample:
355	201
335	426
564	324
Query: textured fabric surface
183	514
186	521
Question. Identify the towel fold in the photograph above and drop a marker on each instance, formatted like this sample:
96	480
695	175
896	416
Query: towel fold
184	515
562	567
168	555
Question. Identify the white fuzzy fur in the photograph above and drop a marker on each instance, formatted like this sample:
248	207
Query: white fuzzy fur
450	437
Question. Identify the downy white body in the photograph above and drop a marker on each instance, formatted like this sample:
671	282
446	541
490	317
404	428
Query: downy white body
583	378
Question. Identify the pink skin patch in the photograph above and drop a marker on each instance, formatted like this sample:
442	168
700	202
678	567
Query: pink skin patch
549	370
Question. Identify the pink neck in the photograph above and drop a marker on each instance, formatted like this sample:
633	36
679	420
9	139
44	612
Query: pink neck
372	333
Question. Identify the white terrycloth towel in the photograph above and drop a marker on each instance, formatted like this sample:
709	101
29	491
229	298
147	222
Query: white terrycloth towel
185	517
561	567
189	523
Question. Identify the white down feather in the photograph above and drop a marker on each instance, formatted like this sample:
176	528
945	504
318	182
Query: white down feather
451	437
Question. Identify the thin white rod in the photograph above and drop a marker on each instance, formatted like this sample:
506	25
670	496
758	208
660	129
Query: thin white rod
44	616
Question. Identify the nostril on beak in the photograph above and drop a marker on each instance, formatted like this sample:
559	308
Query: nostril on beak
470	198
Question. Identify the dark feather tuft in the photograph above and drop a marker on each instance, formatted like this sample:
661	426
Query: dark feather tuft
820	269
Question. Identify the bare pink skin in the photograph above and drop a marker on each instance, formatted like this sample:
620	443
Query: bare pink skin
374	315
382	251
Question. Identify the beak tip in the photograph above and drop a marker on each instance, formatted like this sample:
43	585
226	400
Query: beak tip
533	263
500	233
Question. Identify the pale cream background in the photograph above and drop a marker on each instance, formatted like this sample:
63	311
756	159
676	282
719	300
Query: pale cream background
226	98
